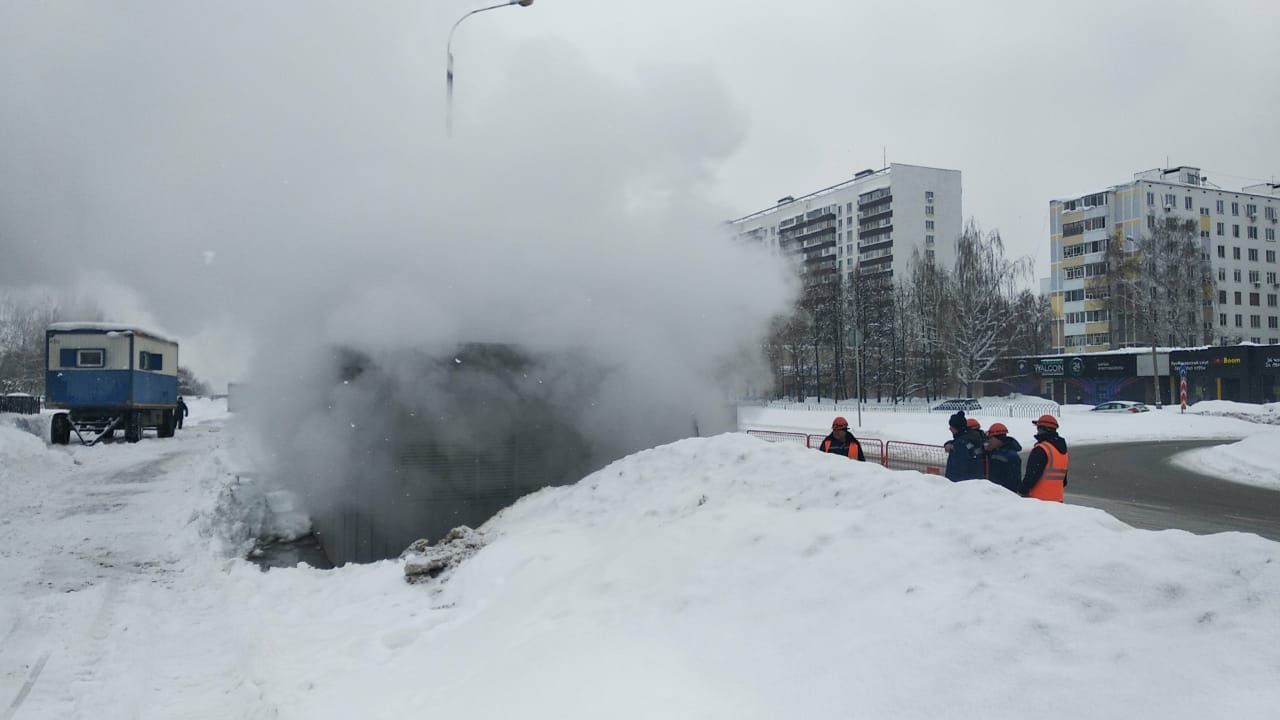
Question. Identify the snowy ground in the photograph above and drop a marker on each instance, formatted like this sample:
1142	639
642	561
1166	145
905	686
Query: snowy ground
722	577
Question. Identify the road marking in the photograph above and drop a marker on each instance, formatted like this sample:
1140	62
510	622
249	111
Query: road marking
26	687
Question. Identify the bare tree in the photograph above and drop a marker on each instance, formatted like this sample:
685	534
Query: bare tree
980	296
22	339
1158	285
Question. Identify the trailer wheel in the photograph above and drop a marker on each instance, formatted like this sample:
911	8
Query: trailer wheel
60	433
165	428
133	427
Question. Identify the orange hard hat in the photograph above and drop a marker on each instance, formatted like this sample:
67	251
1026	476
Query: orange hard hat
839	422
973	423
997	429
1047	421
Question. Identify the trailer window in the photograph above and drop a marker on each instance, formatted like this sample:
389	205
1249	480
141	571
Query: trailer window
94	358
150	361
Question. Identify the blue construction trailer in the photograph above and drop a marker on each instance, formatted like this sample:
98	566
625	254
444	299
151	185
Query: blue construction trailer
110	377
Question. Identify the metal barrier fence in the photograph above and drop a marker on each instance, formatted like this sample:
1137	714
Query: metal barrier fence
21	404
929	459
989	407
893	454
872	448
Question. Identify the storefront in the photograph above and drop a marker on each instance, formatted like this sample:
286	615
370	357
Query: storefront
1082	379
1217	373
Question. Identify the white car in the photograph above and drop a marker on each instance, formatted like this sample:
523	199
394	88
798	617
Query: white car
1121	406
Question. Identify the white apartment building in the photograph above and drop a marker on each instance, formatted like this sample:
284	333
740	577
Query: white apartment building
867	226
1238	231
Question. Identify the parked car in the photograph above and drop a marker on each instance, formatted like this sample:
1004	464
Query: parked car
955	404
1121	406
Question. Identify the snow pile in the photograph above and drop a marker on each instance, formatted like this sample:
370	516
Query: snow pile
728	577
1268	414
1252	461
22	449
424	561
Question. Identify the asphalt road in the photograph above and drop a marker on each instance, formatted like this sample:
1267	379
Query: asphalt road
1137	484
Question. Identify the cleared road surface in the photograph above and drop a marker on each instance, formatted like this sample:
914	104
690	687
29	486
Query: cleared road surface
1136	483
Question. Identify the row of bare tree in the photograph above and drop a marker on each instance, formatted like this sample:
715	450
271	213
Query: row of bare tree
23	321
934	333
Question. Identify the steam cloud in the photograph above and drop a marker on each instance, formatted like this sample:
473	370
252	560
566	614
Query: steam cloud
275	178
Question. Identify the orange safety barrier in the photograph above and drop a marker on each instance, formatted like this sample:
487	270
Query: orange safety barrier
930	459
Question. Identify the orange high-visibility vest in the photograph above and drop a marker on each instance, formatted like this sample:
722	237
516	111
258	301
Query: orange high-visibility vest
1052	481
853	447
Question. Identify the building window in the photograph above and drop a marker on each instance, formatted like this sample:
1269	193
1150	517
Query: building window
1253	232
928	224
1235	231
1253	254
1073	295
1235	275
1151	199
1235	253
1272	299
1255	300
1253	276
1222	228
1170	201
928	210
1204	211
1222	319
1239	321
1235	208
1151	222
1255	321
1251	210
928	239
1219	207
1238	296
928	196
1222	297
1188	202
1271	256
1222	274
1273	322
1271	234
1075	273
1222	251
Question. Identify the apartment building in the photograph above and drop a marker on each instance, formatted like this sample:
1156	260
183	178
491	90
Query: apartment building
1238	231
869	225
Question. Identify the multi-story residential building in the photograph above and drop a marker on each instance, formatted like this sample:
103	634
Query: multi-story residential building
867	226
1238	231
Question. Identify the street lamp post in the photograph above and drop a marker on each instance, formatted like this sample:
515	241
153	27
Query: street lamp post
448	73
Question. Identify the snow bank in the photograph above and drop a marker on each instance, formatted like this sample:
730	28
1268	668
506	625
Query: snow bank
1252	461
1080	425
728	577
1268	414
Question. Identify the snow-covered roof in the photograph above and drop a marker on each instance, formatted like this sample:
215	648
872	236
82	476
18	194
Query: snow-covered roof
108	327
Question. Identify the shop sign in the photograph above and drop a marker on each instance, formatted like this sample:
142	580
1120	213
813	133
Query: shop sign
1110	366
1051	367
1191	365
1271	363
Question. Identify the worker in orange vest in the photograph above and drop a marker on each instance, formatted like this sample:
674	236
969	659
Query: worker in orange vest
841	441
1046	476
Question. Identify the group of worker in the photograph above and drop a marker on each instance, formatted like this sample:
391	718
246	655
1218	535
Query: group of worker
973	454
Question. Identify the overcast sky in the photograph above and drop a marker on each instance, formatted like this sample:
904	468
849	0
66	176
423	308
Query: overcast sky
204	166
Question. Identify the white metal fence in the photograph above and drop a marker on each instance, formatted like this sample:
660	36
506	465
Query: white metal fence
990	407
